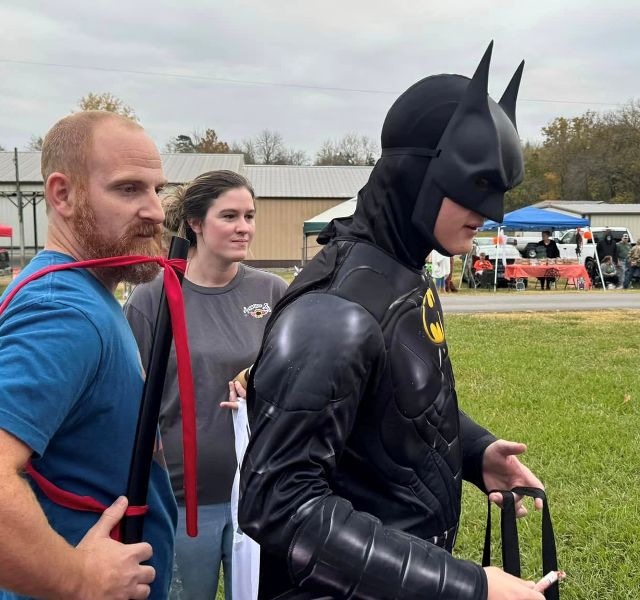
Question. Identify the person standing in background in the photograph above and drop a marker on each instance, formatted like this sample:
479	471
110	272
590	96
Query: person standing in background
440	269
633	266
624	247
227	305
579	243
449	286
607	247
550	248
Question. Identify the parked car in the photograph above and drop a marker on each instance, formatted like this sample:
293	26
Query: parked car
488	246
566	241
567	245
528	244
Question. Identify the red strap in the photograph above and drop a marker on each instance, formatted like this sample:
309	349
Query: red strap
76	502
173	292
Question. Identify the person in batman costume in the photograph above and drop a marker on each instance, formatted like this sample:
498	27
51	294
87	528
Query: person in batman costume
352	480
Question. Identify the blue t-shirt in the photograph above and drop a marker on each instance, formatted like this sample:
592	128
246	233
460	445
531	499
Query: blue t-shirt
71	380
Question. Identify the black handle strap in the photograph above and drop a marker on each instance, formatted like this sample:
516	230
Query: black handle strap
509	532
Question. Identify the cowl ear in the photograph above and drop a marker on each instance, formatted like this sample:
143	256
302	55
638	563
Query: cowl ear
508	100
475	98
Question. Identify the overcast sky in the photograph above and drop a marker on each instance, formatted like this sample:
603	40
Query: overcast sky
311	69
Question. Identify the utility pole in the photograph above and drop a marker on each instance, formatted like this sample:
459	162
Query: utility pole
35	226
20	209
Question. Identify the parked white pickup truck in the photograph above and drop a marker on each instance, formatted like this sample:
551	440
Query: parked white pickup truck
567	244
526	242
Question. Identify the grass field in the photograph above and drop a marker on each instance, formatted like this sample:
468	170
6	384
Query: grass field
566	384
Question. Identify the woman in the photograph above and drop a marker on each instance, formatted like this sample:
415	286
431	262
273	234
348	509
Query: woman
227	306
483	269
609	273
548	248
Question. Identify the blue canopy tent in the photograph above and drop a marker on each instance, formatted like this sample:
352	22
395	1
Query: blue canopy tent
535	219
530	218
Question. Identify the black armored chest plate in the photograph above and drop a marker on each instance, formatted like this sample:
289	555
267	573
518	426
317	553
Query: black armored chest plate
405	443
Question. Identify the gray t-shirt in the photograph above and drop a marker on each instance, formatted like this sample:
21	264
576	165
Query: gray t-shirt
225	327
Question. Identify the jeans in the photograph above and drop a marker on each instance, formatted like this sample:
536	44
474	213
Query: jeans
630	273
197	563
547	280
622	270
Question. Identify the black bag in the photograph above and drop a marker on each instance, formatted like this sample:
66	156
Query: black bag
509	536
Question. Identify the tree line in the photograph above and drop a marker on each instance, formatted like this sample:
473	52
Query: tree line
595	156
268	148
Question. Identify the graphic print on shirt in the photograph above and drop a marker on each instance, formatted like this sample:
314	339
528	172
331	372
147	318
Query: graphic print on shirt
257	311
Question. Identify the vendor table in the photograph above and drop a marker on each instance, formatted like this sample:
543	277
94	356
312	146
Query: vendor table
570	272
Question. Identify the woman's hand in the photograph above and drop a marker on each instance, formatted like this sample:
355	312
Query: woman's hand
236	393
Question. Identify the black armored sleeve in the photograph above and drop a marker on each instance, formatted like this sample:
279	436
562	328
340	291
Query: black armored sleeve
318	361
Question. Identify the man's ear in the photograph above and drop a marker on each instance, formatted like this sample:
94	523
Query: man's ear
59	194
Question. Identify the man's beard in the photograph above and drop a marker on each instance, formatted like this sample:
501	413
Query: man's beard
95	245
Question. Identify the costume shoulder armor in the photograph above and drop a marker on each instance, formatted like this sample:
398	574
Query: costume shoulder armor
316	346
372	278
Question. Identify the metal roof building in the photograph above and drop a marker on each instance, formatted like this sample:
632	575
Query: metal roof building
178	168
287	196
285	181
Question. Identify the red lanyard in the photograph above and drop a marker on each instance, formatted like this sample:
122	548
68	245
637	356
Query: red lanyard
173	293
76	502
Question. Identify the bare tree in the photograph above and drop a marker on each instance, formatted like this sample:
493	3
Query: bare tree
269	148
352	149
292	156
246	147
35	143
106	101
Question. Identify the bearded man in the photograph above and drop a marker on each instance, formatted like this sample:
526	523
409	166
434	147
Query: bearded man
72	378
353	476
